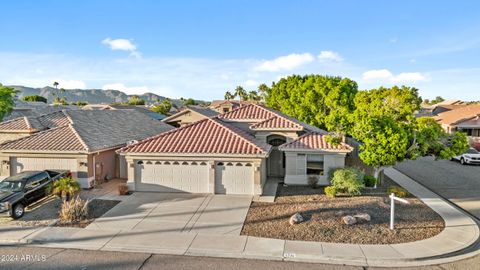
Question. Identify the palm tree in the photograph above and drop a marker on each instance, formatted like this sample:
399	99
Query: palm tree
55	84
253	95
65	188
229	95
263	91
241	93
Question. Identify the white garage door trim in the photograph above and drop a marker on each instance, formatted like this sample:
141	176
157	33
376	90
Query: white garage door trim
172	176
234	178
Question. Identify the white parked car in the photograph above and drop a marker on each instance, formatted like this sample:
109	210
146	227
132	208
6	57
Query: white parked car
472	156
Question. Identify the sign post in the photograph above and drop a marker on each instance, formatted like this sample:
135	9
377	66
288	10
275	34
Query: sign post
392	208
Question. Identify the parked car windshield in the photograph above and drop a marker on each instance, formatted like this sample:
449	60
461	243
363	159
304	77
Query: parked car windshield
472	151
14	186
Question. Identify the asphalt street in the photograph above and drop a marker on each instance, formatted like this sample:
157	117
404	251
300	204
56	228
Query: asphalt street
22	257
458	183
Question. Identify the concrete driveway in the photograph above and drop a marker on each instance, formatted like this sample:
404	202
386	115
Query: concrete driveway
174	212
458	183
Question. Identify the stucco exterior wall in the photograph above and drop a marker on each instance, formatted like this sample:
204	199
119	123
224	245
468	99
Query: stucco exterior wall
105	165
289	135
186	118
296	163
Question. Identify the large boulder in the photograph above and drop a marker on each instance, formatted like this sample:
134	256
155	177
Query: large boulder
296	219
362	217
349	220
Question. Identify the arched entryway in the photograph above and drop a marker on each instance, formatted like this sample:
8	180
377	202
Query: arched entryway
276	160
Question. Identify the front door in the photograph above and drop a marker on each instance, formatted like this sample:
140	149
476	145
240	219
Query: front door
276	163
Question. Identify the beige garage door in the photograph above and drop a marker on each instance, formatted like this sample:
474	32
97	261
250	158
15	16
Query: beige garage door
172	176
40	164
234	178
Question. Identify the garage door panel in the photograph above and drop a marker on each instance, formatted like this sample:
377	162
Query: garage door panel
38	164
234	178
172	176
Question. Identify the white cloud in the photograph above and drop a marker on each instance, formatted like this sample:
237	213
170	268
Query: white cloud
134	90
384	75
326	56
122	45
288	62
251	83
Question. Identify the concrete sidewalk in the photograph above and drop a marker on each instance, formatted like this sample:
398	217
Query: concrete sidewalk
460	232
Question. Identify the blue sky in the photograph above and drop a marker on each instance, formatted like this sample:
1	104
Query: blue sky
200	49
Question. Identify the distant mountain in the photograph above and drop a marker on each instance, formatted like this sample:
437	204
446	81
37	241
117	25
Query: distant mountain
91	96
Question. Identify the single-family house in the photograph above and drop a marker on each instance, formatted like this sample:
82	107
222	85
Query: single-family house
464	118
82	141
141	109
188	115
233	153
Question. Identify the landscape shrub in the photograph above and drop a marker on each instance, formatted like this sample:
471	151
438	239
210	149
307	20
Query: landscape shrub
74	210
313	181
65	188
398	191
369	180
330	191
348	181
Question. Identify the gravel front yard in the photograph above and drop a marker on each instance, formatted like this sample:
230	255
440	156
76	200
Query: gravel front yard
45	213
323	217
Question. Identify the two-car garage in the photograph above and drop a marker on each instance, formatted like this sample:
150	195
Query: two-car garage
194	176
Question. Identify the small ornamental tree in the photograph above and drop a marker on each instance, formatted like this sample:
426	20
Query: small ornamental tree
34	98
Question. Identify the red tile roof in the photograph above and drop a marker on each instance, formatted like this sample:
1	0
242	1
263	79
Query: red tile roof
315	141
251	112
207	136
63	138
17	124
275	123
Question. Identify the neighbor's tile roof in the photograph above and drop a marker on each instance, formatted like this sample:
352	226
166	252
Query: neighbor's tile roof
207	136
203	110
62	138
95	129
56	119
267	119
17	124
315	141
458	115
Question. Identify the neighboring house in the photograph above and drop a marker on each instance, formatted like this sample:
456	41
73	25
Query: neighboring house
141	109
465	118
233	153
26	126
223	106
82	141
435	109
188	115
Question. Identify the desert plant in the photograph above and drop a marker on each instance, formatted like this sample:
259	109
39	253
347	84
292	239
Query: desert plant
331	191
370	181
65	188
123	189
348	181
398	191
313	181
74	210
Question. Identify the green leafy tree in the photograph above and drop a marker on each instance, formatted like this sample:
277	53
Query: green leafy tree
135	100
241	93
34	98
384	123
7	100
189	101
322	101
163	107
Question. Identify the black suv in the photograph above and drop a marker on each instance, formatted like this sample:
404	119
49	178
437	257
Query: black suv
25	188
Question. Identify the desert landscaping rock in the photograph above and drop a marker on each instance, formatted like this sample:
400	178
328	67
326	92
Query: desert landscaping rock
296	219
362	217
349	220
